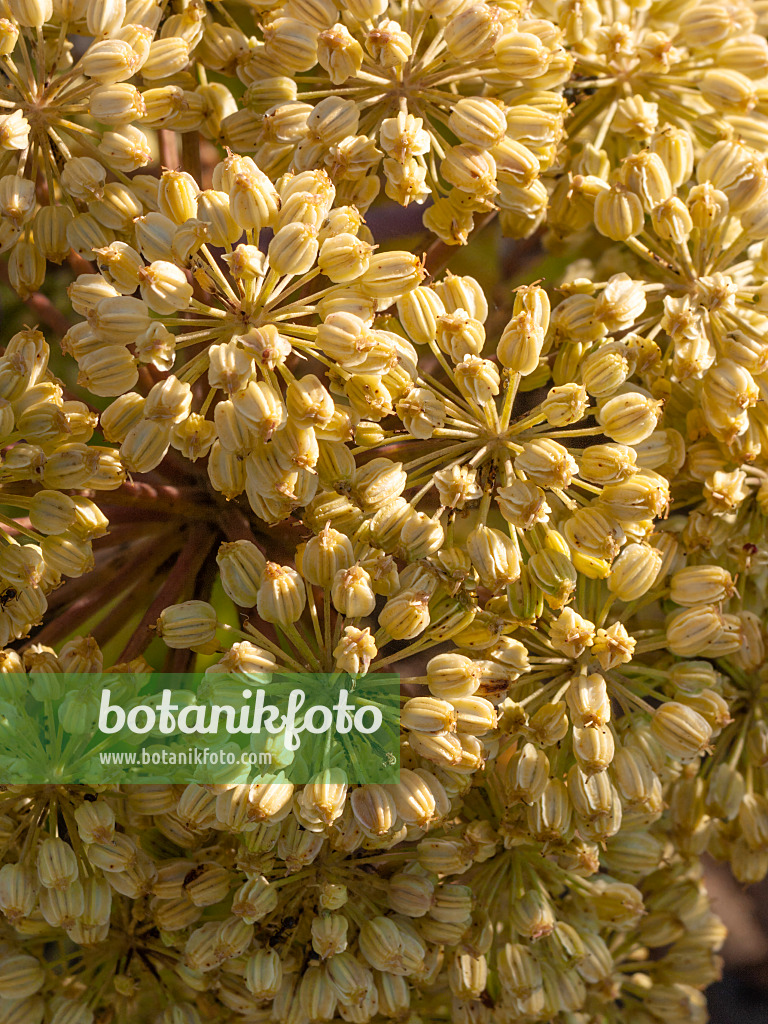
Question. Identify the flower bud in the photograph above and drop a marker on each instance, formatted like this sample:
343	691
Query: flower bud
593	748
388	44
125	149
644	496
9	34
21	975
410	894
241	566
672	221
519	970
374	808
281	596
406	615
526	774
293	249
419	311
68	554
188	625
339	53
683	732
473	31
588	701
629	418
634	572
121	416
753	819
213	210
388	947
322	799
478	121
618	213
17	892
349	977
253	200
264	973
167	57
495	556
391	275
701	584
164	287
109	61
291	44
260	408
56	864
352	592
95	822
451	676
471	169
345	338
571	633
521	343
675	147
26	269
595	800
145	446
725	792
547	463
565	404
378	482
691	631
329	935
324	555
460	335
50	232
644	174
532	916
467	976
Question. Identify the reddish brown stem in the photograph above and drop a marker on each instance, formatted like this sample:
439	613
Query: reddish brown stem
191	502
111	565
179	661
188	564
125	534
190	155
80	265
235	526
148	377
75	614
277	543
169	150
111	624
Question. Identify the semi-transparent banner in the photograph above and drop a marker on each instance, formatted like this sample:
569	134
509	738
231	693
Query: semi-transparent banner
121	728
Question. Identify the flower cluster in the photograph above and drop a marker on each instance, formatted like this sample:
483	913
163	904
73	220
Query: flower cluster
279	436
46	435
72	116
454	101
259	315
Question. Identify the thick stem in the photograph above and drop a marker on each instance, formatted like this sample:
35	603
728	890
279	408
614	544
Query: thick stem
169	150
80	265
191	558
235	526
75	614
190	502
112	565
190	155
